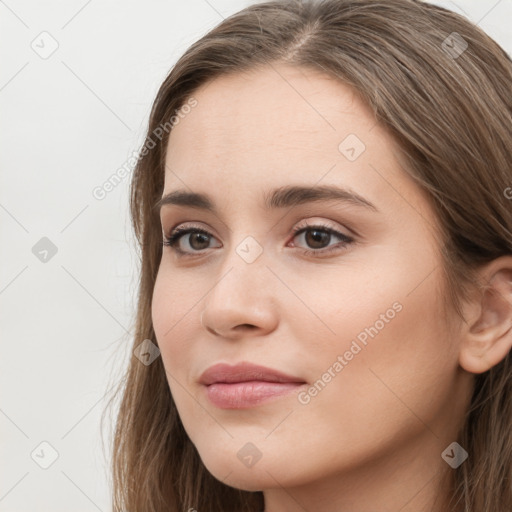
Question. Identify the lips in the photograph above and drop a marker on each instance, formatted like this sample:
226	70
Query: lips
245	372
246	385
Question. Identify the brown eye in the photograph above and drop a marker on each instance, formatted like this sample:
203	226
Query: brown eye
317	239
198	241
188	240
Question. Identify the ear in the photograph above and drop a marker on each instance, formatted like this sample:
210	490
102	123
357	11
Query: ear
487	335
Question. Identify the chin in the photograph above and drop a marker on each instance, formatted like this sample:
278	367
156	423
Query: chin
245	479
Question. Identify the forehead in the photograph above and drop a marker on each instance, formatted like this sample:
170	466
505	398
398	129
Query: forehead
279	124
277	107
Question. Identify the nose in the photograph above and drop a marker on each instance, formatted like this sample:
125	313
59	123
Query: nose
242	302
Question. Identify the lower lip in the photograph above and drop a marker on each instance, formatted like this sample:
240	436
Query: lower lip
241	395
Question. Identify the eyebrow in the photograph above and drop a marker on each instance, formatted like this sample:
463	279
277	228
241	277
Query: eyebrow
282	197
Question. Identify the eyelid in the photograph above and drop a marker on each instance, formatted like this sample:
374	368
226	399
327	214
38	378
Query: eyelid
301	225
321	224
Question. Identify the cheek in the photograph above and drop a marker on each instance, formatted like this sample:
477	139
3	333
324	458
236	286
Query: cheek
387	372
175	302
173	314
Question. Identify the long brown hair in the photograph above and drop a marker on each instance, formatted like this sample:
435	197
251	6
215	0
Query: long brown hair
443	89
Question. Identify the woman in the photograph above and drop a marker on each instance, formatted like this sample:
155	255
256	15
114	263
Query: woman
326	243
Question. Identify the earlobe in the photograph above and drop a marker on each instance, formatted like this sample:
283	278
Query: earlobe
487	338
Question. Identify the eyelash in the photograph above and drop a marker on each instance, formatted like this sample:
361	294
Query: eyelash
173	239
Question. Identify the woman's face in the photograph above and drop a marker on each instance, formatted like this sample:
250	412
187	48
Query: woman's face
350	307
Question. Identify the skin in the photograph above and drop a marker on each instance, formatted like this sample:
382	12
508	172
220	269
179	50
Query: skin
371	440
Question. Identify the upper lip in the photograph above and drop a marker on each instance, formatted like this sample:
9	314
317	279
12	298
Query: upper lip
244	372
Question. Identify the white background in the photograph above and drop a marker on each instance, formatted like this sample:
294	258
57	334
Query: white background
68	122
